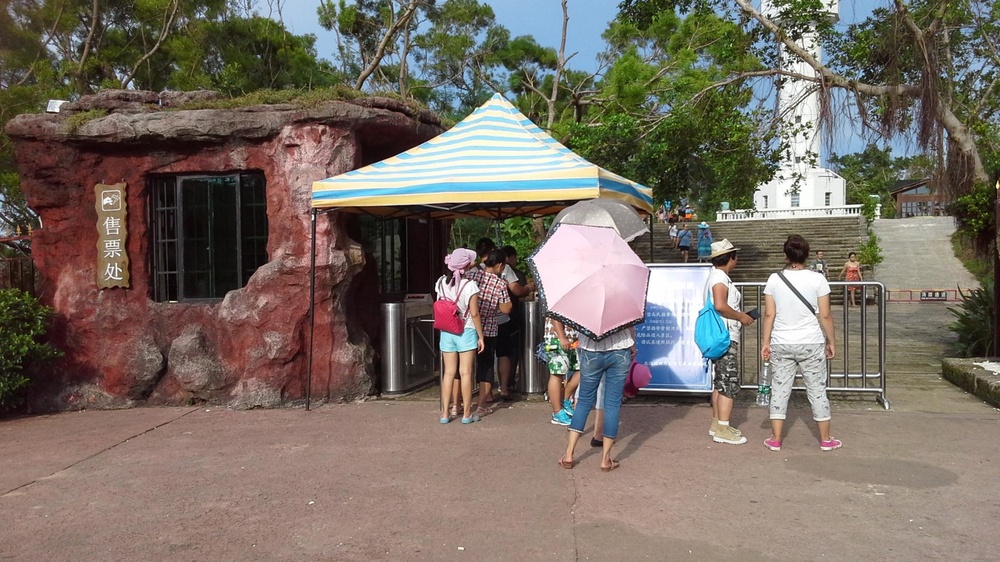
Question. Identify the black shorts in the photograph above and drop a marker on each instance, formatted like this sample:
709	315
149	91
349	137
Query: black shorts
507	339
683	248
484	360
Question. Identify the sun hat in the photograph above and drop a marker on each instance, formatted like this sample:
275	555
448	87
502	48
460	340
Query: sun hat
721	247
703	225
639	376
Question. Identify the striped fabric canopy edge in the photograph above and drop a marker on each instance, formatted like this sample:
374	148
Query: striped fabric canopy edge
494	162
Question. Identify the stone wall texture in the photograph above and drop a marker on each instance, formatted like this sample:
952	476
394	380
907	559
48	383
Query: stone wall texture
251	348
971	376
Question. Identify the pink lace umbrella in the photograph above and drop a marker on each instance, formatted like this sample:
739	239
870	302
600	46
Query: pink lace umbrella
589	278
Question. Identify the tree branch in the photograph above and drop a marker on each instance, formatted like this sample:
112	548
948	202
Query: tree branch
938	19
87	44
958	131
918	35
168	22
827	76
403	19
560	64
43	45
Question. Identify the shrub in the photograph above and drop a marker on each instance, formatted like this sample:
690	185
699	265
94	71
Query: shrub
24	323
974	216
974	322
77	120
870	253
868	210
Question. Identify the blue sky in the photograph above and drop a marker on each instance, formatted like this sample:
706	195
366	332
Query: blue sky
543	19
539	18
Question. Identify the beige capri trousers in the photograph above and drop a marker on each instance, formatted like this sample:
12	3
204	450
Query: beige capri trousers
786	360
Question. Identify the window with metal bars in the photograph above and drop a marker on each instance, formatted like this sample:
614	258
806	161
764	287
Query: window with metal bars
386	240
209	234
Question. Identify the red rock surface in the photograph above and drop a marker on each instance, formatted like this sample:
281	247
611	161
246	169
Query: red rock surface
250	349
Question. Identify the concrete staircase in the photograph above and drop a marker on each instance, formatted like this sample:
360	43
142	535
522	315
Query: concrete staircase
760	243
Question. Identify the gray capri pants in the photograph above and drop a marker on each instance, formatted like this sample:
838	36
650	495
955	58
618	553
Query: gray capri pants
785	361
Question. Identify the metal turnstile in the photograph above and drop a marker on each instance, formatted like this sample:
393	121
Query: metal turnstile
534	373
409	356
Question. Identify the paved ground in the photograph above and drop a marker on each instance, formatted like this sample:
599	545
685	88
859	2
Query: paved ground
918	255
386	481
383	480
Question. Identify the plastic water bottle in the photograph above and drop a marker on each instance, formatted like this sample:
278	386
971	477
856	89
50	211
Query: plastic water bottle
764	385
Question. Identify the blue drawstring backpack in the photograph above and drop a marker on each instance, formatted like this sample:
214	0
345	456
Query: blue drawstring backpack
710	332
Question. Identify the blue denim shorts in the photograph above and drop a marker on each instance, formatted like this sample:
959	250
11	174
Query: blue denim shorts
468	341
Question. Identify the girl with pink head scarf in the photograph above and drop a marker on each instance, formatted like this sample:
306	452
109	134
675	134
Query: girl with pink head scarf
458	352
459	261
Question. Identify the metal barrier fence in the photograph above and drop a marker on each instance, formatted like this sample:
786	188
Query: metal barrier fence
19	273
859	364
923	295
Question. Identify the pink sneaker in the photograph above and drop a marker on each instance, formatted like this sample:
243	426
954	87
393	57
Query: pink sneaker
772	444
830	445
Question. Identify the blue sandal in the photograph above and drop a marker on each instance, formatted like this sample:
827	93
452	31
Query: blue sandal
470	419
445	420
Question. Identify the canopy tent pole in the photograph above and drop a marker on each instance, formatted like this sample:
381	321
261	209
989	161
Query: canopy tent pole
497	230
312	306
650	218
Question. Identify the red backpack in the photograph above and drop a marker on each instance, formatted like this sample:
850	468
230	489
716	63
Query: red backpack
447	316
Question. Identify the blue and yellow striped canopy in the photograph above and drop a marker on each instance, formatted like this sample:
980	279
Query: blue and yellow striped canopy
494	163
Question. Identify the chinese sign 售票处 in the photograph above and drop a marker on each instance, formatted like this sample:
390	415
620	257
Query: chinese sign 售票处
112	231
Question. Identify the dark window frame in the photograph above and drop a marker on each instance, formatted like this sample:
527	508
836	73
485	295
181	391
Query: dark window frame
232	224
387	240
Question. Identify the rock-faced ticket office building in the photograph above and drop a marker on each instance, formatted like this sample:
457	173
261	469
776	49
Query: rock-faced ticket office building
175	247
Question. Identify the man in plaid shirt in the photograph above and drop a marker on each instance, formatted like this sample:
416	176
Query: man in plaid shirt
493	301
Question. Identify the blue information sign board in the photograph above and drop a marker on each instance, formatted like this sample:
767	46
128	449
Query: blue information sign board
665	341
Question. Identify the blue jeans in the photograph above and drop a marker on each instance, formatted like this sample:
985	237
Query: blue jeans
613	367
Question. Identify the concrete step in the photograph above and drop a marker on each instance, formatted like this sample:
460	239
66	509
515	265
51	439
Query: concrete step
761	242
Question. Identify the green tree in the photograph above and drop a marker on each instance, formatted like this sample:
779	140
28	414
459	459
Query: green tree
239	55
657	120
455	57
371	32
923	69
444	54
62	49
22	344
874	171
87	45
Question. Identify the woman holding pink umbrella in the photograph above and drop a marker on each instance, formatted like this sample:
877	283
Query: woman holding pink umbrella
590	278
608	358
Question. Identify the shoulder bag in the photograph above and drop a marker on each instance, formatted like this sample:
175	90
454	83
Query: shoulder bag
710	332
447	316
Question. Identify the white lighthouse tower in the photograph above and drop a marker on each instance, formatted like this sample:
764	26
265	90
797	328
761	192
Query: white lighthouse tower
800	182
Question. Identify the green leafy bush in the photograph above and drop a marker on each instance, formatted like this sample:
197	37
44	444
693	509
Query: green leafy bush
870	253
519	232
974	216
24	322
974	322
869	209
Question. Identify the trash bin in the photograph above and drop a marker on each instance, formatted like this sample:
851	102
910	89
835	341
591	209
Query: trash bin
534	373
409	357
